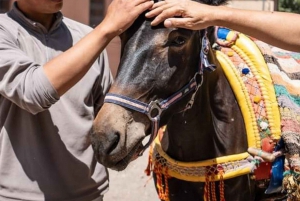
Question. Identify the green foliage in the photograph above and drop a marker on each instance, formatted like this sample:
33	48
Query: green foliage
292	6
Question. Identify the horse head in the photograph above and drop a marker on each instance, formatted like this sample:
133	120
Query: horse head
156	78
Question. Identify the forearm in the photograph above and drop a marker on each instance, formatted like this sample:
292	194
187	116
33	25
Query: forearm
69	67
275	28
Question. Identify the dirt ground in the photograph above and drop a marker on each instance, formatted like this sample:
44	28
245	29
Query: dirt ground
132	184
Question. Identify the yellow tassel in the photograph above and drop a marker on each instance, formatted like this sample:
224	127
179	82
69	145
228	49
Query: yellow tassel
167	198
213	187
207	188
221	186
159	185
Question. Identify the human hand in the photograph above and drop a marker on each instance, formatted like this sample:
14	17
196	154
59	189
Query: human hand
193	15
122	13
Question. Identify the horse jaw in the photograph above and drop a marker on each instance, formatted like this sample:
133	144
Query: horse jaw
117	136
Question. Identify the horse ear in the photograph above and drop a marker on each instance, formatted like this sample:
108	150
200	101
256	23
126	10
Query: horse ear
213	2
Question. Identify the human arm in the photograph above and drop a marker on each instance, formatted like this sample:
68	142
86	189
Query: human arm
275	28
68	68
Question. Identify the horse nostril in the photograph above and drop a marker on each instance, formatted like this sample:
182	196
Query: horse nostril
113	142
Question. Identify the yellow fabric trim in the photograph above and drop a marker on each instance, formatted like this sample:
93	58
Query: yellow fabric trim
249	51
229	175
243	98
210	162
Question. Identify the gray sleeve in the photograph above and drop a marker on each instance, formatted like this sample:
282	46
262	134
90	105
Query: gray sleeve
23	81
104	81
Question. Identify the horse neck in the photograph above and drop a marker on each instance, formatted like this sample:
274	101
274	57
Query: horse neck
213	127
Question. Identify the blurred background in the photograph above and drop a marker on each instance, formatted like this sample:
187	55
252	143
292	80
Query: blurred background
132	184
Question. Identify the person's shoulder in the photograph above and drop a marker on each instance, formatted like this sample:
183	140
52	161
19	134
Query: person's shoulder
7	24
77	26
3	16
5	20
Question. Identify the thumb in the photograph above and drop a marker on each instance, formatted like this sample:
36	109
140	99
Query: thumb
177	22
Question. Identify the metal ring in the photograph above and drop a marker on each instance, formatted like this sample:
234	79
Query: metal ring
154	105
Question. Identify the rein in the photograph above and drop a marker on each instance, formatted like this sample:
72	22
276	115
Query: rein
155	108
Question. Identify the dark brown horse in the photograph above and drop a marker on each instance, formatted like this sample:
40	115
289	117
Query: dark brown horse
161	81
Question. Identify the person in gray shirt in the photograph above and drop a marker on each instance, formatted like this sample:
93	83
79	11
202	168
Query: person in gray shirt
53	76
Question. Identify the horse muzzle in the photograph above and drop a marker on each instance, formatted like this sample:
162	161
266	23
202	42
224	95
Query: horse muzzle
117	136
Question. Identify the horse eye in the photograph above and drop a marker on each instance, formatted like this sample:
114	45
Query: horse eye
178	41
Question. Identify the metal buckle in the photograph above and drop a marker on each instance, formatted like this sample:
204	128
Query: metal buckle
154	110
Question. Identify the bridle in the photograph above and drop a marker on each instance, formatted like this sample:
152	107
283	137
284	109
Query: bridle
155	108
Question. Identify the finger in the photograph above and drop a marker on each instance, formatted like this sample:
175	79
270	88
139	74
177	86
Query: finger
178	23
143	7
159	9
158	4
154	12
167	13
138	2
